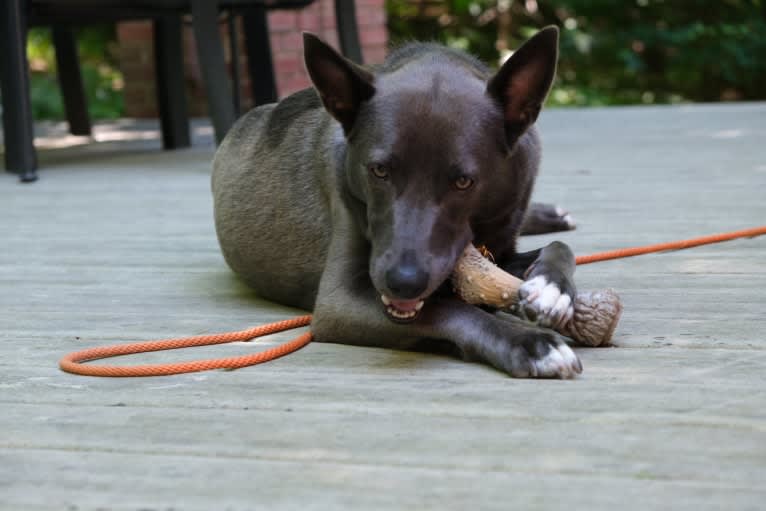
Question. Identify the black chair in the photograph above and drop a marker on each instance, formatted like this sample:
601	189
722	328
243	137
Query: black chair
17	15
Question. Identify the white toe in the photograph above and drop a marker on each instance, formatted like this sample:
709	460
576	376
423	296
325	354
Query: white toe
547	299
532	288
560	361
571	360
560	310
551	364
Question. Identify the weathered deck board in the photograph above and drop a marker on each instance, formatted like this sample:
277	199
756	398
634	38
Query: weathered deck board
116	243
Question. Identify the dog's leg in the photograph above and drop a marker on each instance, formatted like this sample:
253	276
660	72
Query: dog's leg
548	293
348	310
545	218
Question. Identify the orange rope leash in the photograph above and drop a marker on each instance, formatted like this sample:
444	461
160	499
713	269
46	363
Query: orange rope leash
73	362
671	245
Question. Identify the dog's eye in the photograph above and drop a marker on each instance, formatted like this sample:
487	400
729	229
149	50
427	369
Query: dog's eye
463	183
378	170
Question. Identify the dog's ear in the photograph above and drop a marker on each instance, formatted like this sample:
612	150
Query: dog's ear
341	84
522	83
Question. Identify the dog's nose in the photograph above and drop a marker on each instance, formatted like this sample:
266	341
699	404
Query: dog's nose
407	279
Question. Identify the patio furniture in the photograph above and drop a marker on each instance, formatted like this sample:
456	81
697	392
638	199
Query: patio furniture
17	15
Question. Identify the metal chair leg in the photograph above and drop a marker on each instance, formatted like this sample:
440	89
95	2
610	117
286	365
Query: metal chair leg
348	33
70	80
235	75
259	62
171	92
18	129
213	66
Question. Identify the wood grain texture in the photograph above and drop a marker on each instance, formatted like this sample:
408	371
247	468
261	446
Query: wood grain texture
116	243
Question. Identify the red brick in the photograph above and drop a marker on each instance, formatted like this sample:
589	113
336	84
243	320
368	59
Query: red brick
134	45
330	36
374	54
327	10
137	72
293	83
138	54
140	112
288	63
368	16
329	21
286	41
361	4
135	30
140	103
280	21
373	36
309	19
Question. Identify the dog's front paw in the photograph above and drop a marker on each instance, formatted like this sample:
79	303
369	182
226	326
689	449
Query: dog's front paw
542	355
546	302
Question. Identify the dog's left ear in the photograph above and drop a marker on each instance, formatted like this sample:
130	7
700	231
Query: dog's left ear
522	83
342	85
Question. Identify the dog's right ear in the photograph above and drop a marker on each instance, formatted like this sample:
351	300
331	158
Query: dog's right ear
522	83
342	85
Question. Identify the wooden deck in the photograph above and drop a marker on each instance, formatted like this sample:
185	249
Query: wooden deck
116	243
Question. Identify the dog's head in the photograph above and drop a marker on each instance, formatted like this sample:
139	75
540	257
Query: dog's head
429	147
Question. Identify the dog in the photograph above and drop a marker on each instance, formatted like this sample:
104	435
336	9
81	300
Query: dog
355	198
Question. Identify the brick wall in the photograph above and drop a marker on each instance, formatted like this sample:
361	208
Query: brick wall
137	61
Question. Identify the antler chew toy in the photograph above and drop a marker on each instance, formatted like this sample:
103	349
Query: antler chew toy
478	281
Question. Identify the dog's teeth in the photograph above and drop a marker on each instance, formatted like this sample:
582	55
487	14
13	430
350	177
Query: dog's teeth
401	314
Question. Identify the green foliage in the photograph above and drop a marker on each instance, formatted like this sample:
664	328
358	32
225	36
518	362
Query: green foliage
45	97
101	77
460	24
613	51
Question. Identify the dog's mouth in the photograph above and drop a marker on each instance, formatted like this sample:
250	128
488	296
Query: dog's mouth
402	311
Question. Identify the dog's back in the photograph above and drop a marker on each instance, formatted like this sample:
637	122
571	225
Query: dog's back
270	212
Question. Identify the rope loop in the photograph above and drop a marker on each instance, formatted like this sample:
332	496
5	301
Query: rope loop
73	362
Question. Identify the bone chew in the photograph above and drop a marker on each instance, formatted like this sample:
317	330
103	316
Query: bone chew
596	314
478	281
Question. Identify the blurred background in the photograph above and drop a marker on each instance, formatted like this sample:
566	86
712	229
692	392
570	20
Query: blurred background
613	52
